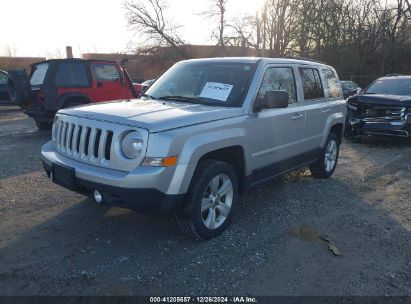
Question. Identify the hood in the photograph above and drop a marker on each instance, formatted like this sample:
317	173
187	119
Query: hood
383	100
155	116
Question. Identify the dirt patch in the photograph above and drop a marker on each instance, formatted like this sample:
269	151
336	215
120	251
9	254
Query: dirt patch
56	242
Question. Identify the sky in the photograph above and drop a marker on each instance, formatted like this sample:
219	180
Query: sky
45	27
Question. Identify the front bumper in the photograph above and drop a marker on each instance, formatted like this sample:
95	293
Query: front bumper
398	125
140	190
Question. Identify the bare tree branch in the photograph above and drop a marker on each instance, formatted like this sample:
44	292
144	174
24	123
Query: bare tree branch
147	18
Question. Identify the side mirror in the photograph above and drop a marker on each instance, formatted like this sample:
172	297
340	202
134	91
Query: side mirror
359	90
274	99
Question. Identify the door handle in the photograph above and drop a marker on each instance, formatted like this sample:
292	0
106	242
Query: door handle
325	111
297	116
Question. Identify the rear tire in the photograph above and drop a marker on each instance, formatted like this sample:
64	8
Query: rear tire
44	126
211	200
327	162
19	87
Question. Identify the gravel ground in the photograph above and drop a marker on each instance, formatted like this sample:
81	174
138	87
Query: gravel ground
55	242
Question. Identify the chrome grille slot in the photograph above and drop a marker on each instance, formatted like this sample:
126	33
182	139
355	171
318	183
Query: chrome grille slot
93	142
75	139
69	136
107	146
97	143
87	141
80	131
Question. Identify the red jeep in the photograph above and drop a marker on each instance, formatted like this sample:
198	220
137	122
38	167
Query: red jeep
62	83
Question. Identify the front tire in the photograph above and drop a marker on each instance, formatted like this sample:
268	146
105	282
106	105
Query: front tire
327	162
211	200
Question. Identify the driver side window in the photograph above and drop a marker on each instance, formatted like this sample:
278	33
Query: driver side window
279	79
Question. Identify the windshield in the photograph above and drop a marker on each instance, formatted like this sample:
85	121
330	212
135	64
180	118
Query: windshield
38	74
223	83
392	86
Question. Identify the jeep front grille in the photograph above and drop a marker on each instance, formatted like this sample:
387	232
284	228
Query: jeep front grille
83	142
94	142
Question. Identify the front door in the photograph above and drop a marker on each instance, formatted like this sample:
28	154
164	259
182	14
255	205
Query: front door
107	83
277	134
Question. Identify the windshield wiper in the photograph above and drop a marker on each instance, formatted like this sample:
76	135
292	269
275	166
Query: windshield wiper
179	98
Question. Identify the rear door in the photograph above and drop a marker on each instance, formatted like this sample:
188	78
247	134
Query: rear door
107	82
314	104
322	98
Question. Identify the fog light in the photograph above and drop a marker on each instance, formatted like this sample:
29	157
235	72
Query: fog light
98	197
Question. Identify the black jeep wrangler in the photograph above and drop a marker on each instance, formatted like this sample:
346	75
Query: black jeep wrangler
63	83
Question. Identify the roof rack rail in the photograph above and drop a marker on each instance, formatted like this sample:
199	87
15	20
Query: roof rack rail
304	58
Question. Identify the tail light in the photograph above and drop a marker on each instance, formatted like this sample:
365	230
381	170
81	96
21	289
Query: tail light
40	95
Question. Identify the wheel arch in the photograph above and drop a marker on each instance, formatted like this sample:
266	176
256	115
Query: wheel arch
65	99
233	155
335	123
224	145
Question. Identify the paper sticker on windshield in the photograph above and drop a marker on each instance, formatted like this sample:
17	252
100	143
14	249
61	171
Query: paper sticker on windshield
215	90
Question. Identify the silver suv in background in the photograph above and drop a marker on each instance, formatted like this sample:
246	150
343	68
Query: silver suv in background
205	131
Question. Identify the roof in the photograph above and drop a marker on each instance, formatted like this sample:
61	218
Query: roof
73	60
397	76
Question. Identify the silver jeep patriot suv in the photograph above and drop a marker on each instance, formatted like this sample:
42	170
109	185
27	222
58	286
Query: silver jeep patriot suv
205	131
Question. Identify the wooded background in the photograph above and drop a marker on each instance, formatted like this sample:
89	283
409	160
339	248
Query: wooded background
362	39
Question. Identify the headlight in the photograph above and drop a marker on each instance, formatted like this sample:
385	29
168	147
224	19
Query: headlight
132	144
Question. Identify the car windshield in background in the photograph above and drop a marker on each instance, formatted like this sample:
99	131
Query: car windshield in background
223	84
39	73
345	85
392	86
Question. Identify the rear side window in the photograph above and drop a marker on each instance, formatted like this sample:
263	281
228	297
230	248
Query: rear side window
333	85
279	79
312	86
73	74
39	72
105	71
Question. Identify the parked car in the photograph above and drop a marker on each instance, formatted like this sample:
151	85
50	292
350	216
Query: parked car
143	86
4	93
382	109
146	84
205	131
63	83
350	88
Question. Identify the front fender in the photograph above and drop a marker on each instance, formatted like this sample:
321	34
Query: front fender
336	118
199	145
